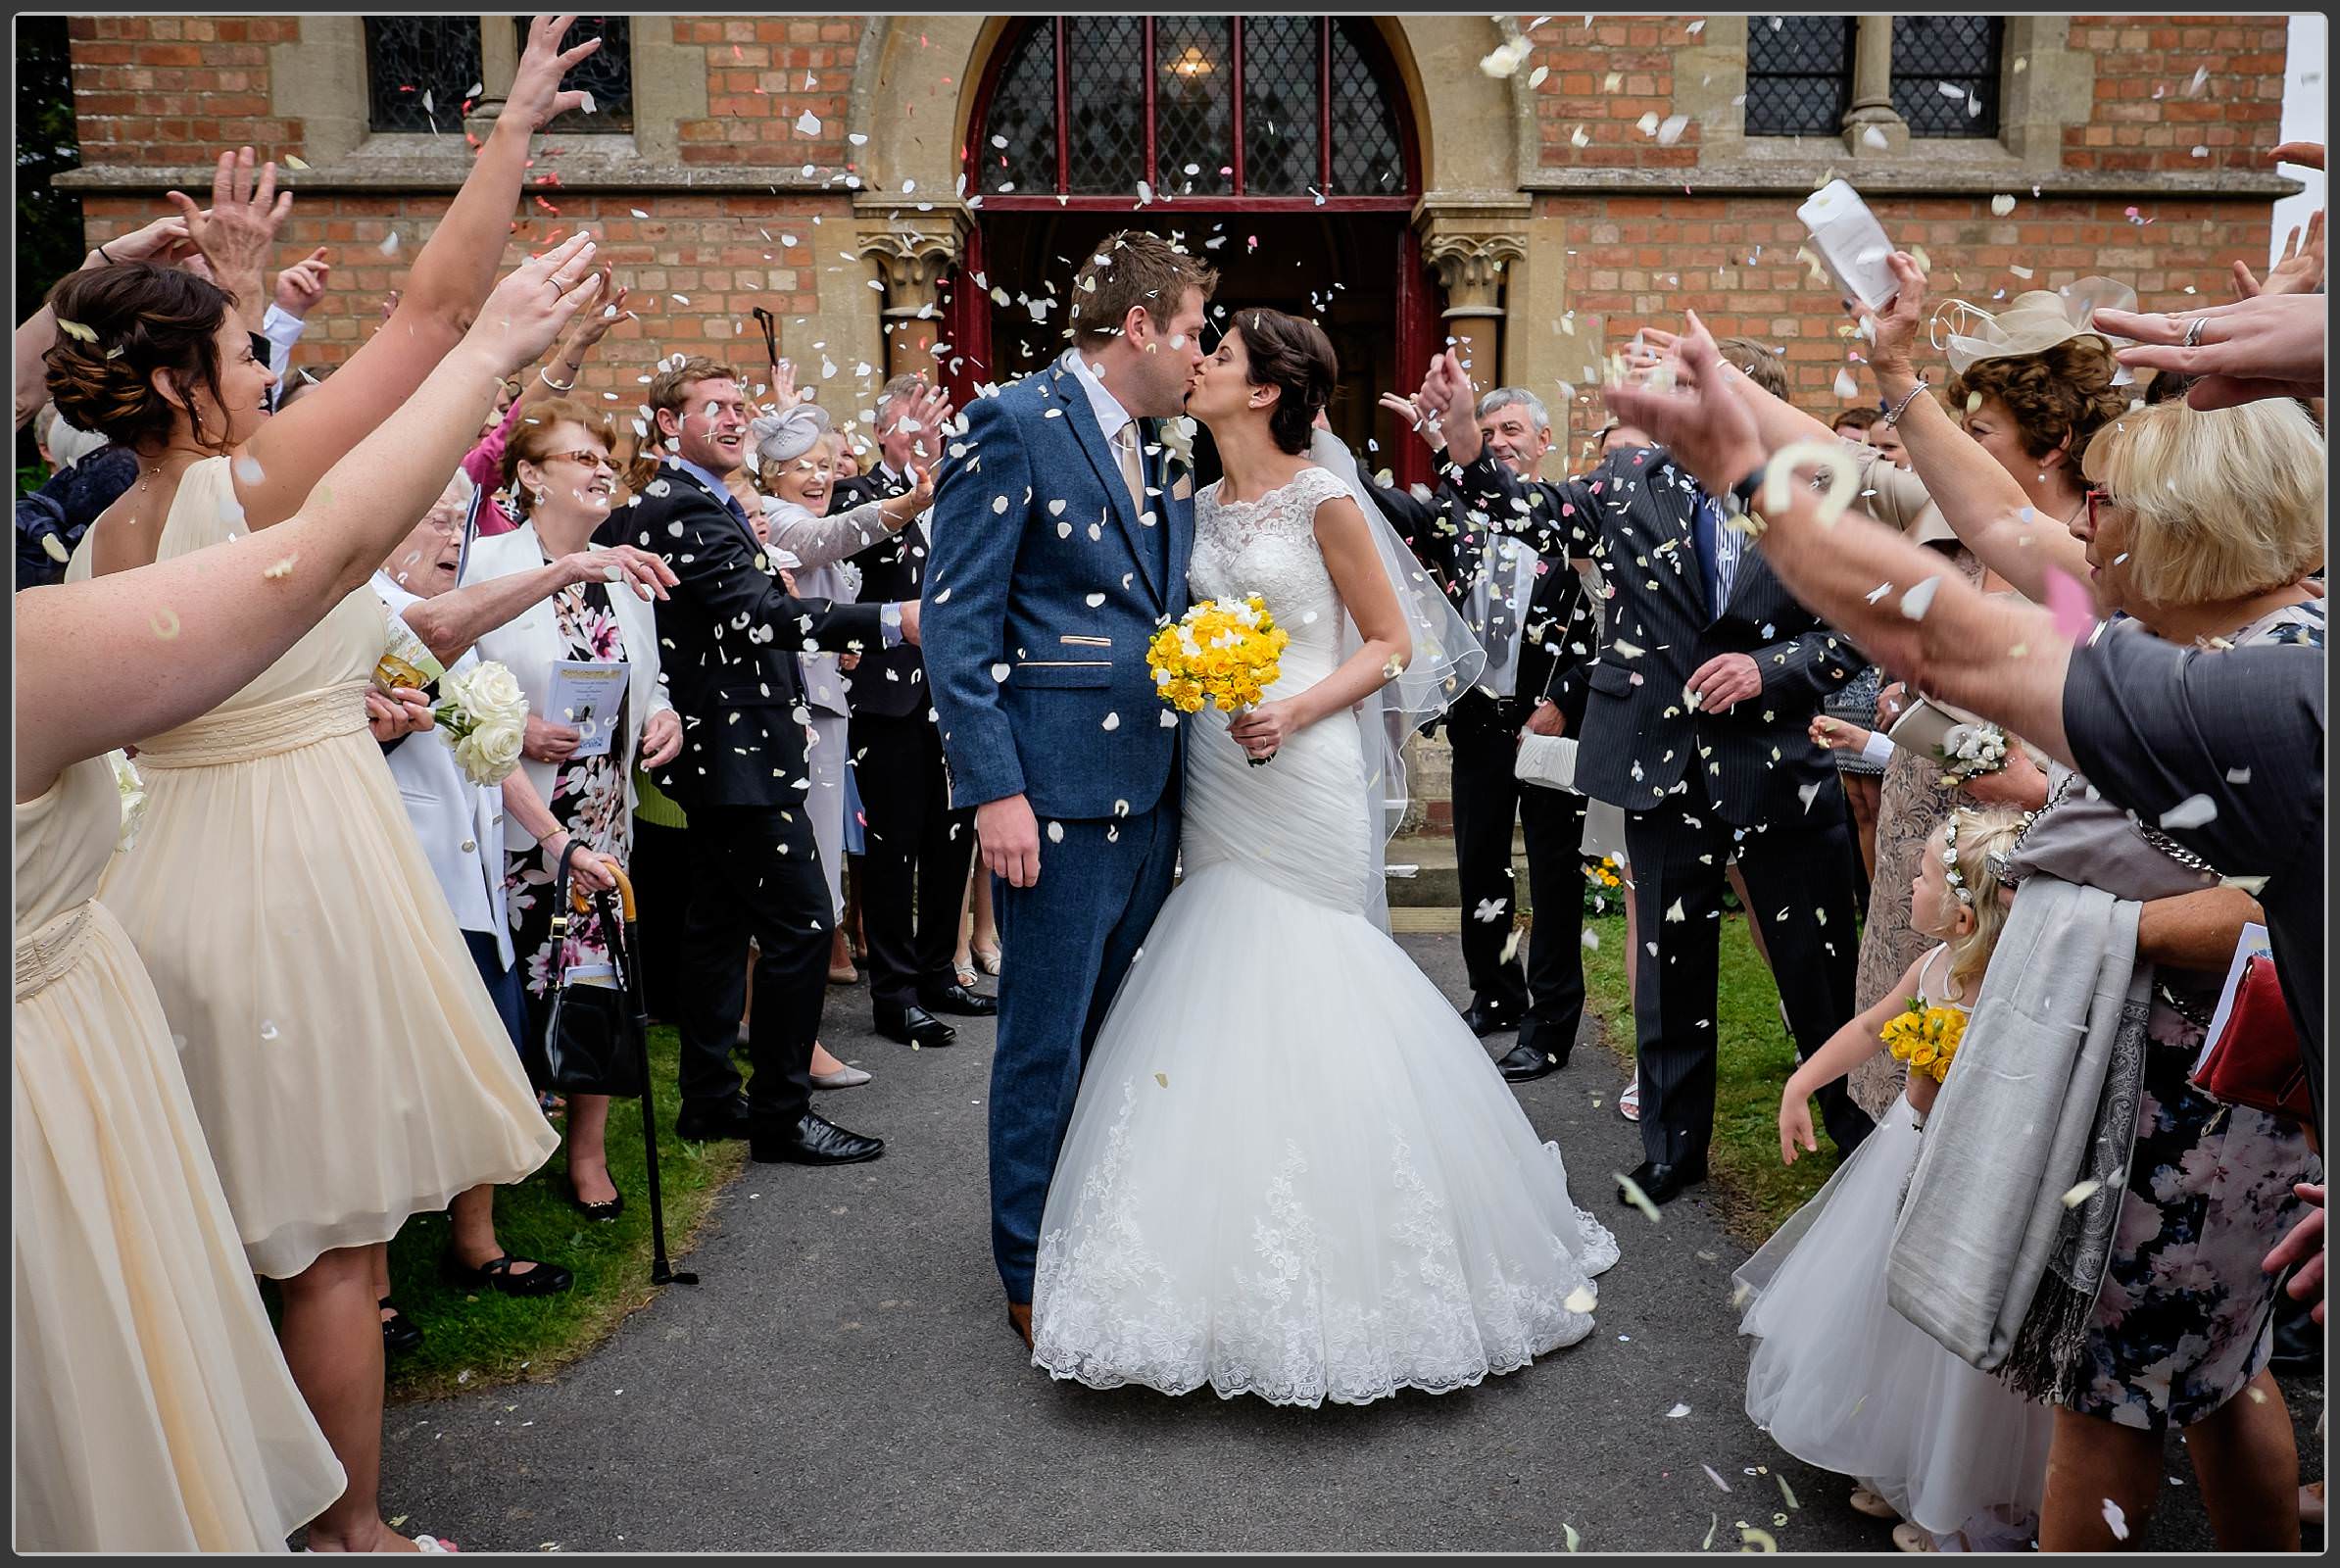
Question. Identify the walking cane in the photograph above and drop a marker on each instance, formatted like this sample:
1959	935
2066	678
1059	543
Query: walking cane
661	1271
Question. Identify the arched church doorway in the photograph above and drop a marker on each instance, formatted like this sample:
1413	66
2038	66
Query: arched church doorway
1281	148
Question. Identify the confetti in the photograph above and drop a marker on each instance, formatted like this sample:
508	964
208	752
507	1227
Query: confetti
2079	1195
2195	811
2001	205
1677	1412
294	161
55	550
1758	1539
1717	1480
164	623
1640	1201
1569	1530
1669	130
75	329
1581	1299
808	123
1507	58
1056	832
2115	1521
282	569
1162	1078
1920	598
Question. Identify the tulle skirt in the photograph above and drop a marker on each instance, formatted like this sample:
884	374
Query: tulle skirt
1842	1381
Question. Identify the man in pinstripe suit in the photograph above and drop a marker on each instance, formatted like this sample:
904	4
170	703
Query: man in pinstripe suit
1695	722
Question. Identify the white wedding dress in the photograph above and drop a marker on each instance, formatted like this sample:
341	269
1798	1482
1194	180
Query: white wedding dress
1293	1170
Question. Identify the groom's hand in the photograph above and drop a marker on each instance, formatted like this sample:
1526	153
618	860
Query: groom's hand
1010	838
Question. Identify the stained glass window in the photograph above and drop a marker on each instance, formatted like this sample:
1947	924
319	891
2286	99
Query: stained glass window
418	71
1193	114
1946	75
1106	77
1281	100
1799	73
608	73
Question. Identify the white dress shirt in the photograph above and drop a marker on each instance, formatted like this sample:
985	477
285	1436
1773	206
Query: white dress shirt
1110	415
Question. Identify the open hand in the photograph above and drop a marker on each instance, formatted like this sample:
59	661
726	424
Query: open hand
2299	270
1412	416
1701	419
2268	347
536	99
238	231
661	738
161	242
591	326
535	301
929	412
646	574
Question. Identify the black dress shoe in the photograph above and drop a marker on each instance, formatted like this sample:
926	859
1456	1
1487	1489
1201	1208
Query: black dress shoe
1484	1021
915	1026
399	1333
1662	1182
699	1120
959	1000
1526	1060
814	1140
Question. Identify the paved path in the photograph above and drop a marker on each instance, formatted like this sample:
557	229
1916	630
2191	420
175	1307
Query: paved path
844	1379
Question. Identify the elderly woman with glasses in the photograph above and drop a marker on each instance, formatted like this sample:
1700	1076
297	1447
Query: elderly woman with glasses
558	467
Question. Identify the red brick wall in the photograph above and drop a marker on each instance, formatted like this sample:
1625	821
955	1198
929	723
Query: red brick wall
2146	118
755	92
153	90
1640	259
1576	92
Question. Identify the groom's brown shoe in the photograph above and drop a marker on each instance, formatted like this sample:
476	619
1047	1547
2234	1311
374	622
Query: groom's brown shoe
1019	1318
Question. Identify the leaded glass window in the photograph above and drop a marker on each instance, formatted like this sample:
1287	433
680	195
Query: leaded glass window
1106	79
1368	158
1946	75
608	73
418	71
1799	71
1193	114
1019	147
1281	98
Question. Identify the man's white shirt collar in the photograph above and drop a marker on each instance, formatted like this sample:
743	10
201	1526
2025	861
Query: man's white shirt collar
1110	415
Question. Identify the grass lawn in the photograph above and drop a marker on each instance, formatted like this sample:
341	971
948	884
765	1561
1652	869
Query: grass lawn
1754	1190
475	1338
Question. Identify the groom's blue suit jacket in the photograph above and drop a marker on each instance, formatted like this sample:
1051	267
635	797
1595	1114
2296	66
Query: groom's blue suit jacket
1042	588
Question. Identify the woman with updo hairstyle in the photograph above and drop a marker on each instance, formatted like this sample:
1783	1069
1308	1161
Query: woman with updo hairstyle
345	1061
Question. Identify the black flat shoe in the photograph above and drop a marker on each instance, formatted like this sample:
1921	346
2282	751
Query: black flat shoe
1661	1183
916	1027
702	1120
609	1209
399	1333
496	1274
1485	1021
814	1140
1525	1061
959	1000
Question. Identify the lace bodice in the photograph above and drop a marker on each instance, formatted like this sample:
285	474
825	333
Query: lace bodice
1268	547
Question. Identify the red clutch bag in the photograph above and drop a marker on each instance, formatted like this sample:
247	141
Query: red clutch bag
2255	1059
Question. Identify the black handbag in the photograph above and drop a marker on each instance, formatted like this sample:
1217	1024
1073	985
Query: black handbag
589	1048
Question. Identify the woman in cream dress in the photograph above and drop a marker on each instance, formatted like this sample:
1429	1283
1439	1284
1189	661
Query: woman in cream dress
153	1411
346	1063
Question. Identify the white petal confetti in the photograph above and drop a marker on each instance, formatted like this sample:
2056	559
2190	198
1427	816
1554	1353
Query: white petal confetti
2079	1195
1056	832
808	123
1920	598
2001	205
1677	1412
2192	811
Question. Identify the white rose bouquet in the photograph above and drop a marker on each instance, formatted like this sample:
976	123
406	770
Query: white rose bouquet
482	712
1969	751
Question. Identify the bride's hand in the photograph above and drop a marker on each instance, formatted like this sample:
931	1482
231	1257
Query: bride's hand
1264	730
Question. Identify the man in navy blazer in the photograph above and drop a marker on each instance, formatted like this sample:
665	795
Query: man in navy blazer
730	634
1061	530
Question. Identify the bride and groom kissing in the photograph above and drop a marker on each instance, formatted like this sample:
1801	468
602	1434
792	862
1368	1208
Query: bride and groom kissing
1237	1137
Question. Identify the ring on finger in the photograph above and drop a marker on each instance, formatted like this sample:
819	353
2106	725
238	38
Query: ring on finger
2193	330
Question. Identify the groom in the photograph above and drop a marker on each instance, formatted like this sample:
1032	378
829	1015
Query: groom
1060	542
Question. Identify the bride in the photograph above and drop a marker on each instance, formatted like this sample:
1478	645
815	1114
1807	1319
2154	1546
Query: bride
1292	1170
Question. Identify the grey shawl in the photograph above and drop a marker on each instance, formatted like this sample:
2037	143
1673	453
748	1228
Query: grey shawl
1987	1257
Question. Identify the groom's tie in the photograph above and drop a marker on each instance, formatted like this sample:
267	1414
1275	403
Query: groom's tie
1133	472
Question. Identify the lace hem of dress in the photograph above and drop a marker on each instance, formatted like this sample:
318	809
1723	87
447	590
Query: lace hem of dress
1111	1314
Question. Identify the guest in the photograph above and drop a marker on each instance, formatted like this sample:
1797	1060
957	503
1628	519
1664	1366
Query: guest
488	463
2188	566
743	779
154	1414
1861	757
919	849
1839	1378
281	789
92	474
1512	569
459	826
1853	425
792	458
1735	773
559	473
300	289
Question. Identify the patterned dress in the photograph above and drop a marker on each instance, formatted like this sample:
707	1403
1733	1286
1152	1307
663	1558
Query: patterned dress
589	800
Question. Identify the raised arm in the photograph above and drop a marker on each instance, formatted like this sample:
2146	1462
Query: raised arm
163	241
2003	660
443	292
824	541
1979	499
183	635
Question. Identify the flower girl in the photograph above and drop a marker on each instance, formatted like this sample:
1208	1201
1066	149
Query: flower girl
1839	1378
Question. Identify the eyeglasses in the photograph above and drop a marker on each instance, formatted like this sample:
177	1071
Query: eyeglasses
589	459
2100	501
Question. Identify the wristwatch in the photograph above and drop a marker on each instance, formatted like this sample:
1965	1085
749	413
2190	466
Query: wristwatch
1747	488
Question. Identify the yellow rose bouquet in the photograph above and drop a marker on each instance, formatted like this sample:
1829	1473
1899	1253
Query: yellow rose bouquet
1222	652
1927	1037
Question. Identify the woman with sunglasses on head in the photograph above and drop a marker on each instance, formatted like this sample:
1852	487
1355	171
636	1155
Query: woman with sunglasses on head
563	479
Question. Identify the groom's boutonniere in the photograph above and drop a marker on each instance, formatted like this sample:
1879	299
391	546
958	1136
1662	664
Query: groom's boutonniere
1178	446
